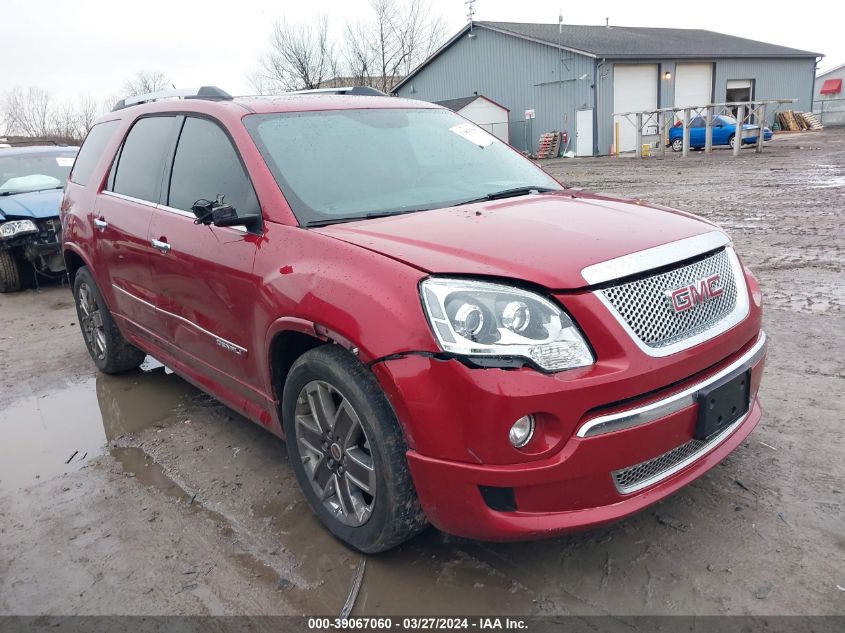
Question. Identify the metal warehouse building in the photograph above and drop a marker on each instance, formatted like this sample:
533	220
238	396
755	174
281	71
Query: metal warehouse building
575	77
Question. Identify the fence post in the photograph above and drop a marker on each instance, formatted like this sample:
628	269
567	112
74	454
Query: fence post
639	119
662	130
761	123
708	132
740	117
686	132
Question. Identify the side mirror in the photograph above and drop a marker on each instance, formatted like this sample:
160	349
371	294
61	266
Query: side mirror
220	213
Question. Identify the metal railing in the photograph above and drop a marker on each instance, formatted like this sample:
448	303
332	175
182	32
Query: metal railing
830	111
662	119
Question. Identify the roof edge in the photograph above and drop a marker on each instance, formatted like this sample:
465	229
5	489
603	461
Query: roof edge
432	57
830	70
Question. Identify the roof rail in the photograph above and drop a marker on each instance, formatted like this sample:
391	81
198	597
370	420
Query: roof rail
203	92
366	91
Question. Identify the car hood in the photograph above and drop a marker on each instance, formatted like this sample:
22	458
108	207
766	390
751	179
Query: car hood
545	239
33	204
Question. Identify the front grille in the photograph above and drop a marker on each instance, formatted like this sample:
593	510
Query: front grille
645	306
651	471
629	479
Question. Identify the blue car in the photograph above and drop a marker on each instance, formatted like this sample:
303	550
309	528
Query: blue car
31	183
724	132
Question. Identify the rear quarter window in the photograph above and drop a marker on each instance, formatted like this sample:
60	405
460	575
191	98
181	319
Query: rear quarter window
140	164
91	151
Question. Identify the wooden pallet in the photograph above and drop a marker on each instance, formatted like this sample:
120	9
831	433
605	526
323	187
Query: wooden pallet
812	121
549	145
792	121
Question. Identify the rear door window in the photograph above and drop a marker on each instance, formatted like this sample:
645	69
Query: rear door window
206	165
93	147
140	164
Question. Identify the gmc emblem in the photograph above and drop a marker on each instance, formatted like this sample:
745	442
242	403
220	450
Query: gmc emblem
696	293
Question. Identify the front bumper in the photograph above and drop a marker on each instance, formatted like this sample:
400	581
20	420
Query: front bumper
564	481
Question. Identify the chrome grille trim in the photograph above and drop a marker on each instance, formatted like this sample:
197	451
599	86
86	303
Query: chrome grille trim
655	470
660	331
651	258
671	404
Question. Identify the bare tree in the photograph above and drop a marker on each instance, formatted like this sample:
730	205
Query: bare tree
397	38
376	52
27	111
145	81
73	119
31	112
300	56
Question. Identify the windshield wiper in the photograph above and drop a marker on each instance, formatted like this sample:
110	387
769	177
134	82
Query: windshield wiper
14	193
355	218
507	193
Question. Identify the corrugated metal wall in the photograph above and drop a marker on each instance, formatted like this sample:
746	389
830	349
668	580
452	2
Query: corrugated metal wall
773	79
521	74
516	73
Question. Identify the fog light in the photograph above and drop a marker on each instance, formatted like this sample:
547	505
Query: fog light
521	431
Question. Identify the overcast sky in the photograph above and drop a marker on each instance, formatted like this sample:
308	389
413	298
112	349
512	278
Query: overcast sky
77	47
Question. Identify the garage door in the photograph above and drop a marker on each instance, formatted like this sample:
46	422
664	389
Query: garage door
634	88
693	85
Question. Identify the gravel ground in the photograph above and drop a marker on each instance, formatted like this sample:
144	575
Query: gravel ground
139	495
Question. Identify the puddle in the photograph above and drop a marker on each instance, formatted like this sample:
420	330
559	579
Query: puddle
50	434
147	472
422	577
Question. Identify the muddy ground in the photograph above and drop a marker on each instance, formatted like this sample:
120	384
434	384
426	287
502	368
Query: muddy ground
139	495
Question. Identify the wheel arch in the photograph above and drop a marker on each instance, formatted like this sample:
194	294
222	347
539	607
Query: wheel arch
288	339
74	260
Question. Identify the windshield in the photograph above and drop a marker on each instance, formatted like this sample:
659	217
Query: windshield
727	120
341	164
34	172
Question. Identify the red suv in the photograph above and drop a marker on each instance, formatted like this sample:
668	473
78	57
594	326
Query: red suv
442	332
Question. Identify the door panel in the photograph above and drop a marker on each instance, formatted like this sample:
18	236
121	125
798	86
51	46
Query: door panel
584	133
693	84
123	245
122	217
634	89
205	288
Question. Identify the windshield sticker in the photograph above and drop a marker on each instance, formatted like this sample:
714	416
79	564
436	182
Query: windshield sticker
64	161
473	134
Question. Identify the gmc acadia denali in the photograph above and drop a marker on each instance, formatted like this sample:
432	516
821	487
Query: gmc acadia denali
442	332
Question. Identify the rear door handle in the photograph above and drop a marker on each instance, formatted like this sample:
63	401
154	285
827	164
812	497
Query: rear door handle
161	247
101	225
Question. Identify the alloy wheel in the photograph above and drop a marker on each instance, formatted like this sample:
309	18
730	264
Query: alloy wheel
91	321
335	452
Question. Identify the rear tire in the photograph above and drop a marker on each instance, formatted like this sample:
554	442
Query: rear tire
348	452
111	353
10	274
677	145
731	140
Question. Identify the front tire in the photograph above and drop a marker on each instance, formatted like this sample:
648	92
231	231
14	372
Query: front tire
677	144
731	140
10	274
348	452
111	353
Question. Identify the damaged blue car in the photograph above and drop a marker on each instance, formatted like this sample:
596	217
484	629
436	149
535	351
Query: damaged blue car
31	183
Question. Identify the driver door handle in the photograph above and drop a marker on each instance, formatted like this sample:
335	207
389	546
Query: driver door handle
160	246
101	225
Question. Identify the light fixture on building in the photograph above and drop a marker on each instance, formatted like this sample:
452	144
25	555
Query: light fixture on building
667	75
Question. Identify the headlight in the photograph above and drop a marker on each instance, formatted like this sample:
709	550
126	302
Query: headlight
17	227
476	318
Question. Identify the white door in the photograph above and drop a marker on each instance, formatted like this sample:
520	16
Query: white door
634	89
693	85
584	133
